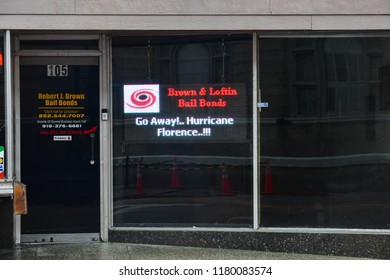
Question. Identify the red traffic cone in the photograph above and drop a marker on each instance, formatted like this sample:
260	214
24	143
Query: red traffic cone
269	186
226	189
140	185
175	181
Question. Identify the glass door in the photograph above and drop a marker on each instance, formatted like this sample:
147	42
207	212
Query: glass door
59	111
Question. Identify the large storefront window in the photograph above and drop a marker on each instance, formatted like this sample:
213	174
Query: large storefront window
325	136
182	131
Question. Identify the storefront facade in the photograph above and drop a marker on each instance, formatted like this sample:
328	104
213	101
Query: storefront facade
219	126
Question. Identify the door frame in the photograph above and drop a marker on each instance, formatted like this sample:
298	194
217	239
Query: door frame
105	125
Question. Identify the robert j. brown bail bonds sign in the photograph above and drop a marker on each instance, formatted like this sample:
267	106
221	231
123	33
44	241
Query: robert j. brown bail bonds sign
62	115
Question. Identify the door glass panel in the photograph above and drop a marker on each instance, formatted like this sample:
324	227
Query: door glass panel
59	45
59	100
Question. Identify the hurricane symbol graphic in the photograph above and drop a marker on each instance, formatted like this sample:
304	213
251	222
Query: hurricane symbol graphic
141	99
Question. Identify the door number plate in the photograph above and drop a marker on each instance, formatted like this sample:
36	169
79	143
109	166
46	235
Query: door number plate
57	70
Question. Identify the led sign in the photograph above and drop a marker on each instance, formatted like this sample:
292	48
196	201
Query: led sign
208	112
141	99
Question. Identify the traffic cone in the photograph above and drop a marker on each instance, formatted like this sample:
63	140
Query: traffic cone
268	186
140	185
226	189
175	181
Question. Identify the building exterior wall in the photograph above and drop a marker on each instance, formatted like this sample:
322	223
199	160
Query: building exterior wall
268	18
188	7
190	15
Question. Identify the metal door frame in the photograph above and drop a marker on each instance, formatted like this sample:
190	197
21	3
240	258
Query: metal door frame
104	103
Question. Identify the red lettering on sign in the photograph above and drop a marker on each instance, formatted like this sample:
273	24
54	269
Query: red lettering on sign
205	103
173	92
181	103
222	91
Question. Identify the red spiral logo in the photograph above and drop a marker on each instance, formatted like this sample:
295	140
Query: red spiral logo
142	98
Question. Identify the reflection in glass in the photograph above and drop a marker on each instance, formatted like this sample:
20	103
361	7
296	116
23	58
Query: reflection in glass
325	135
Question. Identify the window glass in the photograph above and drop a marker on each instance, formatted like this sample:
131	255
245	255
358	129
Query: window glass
324	137
182	131
59	44
193	64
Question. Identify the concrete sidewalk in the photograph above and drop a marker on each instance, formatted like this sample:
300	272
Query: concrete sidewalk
125	251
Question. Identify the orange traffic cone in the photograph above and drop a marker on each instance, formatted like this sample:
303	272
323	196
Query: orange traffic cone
140	185
226	187
175	181
269	186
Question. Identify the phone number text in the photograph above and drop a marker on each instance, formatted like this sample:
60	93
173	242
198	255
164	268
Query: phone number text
61	116
62	126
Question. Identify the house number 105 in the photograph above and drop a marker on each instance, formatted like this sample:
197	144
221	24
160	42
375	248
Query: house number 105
57	70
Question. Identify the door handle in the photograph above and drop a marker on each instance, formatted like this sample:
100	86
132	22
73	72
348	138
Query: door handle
92	161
